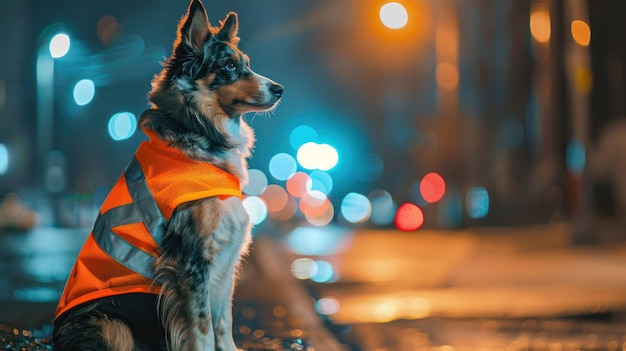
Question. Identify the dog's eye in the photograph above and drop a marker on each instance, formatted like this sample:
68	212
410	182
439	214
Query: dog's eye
230	67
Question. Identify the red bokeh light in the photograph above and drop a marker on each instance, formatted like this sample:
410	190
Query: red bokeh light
409	217
299	184
432	187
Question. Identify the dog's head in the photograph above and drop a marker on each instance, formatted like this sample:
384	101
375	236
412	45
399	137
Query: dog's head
208	73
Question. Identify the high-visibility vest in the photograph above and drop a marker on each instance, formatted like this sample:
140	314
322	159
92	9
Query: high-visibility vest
119	253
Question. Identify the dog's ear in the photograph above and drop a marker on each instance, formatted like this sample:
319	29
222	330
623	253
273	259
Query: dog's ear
228	31
193	29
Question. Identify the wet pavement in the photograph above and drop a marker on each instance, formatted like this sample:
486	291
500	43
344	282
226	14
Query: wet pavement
491	289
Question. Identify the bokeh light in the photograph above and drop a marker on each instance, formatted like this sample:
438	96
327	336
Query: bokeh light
575	157
316	241
432	187
317	209
287	212
321	181
256	208
409	217
299	184
477	202
4	159
356	208
540	23
393	15
312	156
122	125
303	268
275	197
320	219
447	75
108	29
302	135
282	166
581	33
383	207
313	202
325	272
59	45
84	92
327	305
256	184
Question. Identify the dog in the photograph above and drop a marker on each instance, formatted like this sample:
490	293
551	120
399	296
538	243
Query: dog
157	271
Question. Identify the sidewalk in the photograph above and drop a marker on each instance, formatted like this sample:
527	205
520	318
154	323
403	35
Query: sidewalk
490	273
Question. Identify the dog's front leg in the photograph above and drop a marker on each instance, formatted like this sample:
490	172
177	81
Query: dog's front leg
184	304
221	305
224	332
232	237
184	270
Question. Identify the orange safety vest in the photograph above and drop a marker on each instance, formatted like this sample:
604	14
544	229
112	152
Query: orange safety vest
119	252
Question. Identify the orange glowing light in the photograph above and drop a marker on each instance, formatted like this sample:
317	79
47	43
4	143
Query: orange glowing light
275	197
447	75
409	217
108	29
316	207
287	212
432	187
314	203
320	216
540	24
581	32
299	184
583	79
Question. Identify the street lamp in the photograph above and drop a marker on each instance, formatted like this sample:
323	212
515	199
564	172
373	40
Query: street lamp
394	15
57	47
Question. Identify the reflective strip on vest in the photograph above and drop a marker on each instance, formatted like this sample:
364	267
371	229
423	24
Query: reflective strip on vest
143	209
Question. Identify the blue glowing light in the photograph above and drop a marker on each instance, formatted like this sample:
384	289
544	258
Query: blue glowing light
122	125
282	166
59	45
321	181
312	156
575	157
477	202
256	208
325	272
356	208
84	92
317	241
256	184
301	135
37	294
4	159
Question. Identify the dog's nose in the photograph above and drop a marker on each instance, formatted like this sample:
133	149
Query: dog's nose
277	90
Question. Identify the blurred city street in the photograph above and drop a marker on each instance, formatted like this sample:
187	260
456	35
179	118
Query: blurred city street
514	289
439	175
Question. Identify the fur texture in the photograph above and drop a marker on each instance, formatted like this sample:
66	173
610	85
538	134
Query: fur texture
198	101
